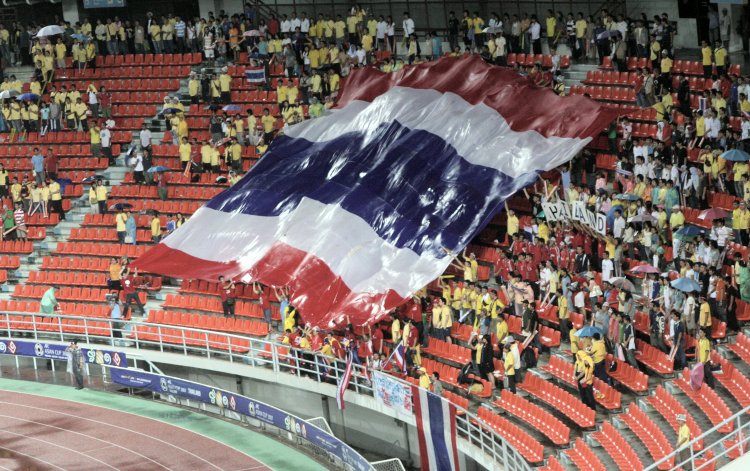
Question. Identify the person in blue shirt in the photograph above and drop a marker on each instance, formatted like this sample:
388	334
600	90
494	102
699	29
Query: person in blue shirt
37	164
437	45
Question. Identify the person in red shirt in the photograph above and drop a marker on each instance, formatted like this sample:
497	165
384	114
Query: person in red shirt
273	26
51	164
130	293
316	340
264	297
227	293
161	185
377	339
105	102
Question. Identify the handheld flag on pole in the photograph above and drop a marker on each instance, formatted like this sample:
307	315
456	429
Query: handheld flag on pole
344	380
255	75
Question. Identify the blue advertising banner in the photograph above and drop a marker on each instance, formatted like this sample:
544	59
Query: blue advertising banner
241	405
56	351
103	3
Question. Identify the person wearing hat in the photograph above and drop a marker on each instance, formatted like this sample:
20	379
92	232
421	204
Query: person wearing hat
683	437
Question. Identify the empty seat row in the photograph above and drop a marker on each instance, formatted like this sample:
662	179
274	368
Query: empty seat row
209	322
65	163
191	338
707	400
608	397
100	250
569	405
203	287
653	358
668	407
527	446
16	246
534	416
650	434
105	235
627	375
75	294
448	351
10	262
173	192
199	303
618	448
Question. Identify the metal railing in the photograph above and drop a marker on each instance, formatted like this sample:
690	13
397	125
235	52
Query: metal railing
712	455
236	349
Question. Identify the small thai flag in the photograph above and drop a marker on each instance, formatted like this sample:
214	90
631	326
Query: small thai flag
399	354
255	74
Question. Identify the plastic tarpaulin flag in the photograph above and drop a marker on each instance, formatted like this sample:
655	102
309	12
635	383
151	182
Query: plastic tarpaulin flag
352	210
696	376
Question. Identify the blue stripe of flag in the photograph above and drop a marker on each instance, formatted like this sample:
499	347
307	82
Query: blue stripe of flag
438	422
410	186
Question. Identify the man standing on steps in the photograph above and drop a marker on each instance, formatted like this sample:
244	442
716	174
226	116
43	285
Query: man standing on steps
76	361
55	198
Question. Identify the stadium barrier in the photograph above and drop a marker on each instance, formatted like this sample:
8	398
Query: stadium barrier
38	328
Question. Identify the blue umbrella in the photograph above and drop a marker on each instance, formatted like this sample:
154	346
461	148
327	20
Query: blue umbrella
80	37
611	214
120	206
231	108
736	155
27	96
688	232
64	182
158	168
92	178
627	197
171	110
685	284
588	331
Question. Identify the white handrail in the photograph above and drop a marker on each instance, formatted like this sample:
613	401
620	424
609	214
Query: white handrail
259	352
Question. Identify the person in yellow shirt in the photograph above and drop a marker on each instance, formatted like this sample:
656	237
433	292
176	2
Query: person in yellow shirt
239	129
156	229
329	27
316	85
120	219
339	28
704	356
707	59
501	329
720	58
367	40
351	27
60	51
233	155
281	91
424	378
584	377
55	198
268	122
96	140
666	63
155	31
741	218
509	365
683	438
194	87
101	198
81	112
206	156
333	82
704	316
185	151
215	160
598	355
225	85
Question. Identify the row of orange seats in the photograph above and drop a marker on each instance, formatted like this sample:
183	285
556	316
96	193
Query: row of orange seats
138	97
653	358
16	246
650	434
627	375
621	452
678	67
76	294
105	235
205	179
54	324
65	138
560	399
606	77
183	192
60	150
77	263
669	408
532	59
108	220
74	278
190	338
212	288
527	446
741	346
166	207
583	458
10	262
170	150
65	163
707	400
205	304
134	110
137	71
188	58
609	398
100	250
732	380
113	85
534	416
210	322
604	93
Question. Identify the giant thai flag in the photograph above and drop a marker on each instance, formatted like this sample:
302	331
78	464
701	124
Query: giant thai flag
352	210
436	431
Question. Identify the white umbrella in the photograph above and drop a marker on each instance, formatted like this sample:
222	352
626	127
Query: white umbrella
493	29
50	30
5	94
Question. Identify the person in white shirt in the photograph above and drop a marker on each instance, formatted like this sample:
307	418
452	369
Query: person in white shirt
145	137
618	225
294	23
501	50
408	25
720	233
607	268
106	136
286	25
745	126
304	24
380	30
535	30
